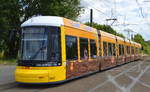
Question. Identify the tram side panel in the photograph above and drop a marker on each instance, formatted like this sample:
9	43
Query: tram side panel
109	58
128	55
121	53
132	53
81	62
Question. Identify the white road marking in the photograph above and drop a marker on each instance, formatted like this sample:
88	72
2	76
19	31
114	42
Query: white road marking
137	78
100	85
133	78
123	89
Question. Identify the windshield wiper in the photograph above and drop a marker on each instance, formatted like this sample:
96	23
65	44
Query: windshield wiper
33	56
43	46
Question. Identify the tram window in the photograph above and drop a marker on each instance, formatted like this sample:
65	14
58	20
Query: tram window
71	48
129	50
34	43
132	49
126	50
93	49
54	45
121	50
136	51
109	49
41	45
114	49
83	48
105	48
100	49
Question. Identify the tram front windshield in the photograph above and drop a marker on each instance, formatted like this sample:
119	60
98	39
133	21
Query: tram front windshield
40	46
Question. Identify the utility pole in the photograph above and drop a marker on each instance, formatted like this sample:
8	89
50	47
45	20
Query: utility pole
91	17
130	33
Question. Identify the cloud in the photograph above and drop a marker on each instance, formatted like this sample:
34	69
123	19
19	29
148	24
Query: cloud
135	14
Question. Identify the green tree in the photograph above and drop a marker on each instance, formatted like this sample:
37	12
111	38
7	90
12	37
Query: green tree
64	8
10	20
138	38
145	45
105	28
15	12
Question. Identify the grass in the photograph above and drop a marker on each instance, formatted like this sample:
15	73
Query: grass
6	61
1	54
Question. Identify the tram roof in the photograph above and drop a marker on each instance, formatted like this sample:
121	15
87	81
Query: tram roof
120	38
60	21
56	21
105	34
43	21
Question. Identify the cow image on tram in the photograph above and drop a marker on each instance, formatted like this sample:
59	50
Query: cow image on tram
55	49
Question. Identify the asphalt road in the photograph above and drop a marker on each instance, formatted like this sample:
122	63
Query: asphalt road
6	74
131	77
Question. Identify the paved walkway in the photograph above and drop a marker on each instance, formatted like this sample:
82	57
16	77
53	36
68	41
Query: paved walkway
6	74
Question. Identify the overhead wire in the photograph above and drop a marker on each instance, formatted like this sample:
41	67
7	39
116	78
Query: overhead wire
140	9
143	16
115	12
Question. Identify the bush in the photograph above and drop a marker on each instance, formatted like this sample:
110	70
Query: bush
7	61
4	60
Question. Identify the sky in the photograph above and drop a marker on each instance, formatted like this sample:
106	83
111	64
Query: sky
130	14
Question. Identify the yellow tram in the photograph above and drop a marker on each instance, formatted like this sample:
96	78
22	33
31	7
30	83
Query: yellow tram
56	49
